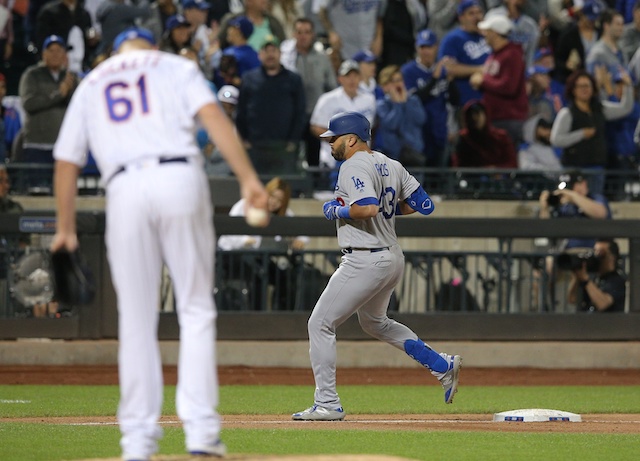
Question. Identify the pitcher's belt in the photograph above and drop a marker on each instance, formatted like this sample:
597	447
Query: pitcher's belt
160	161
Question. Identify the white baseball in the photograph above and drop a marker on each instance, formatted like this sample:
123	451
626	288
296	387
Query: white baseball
257	217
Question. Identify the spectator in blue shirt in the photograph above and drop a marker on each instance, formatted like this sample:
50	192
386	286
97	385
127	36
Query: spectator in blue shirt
238	33
466	49
428	80
401	118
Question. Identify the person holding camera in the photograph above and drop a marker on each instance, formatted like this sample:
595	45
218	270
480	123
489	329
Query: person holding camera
572	199
605	289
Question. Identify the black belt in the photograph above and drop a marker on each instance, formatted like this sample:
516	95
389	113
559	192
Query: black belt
371	250
160	162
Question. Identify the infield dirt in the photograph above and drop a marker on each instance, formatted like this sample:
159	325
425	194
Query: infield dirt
609	423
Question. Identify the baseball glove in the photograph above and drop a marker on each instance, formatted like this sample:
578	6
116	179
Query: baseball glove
73	280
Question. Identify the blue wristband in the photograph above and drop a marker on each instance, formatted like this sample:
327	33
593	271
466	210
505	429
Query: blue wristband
343	212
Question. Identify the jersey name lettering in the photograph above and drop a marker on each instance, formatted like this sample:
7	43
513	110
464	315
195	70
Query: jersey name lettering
383	170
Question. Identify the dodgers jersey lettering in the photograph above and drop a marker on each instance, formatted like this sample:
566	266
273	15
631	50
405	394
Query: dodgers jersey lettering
373	176
125	91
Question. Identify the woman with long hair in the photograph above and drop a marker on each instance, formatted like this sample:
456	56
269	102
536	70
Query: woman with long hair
579	128
281	264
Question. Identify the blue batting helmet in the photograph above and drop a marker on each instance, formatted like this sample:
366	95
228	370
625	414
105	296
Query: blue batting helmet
349	123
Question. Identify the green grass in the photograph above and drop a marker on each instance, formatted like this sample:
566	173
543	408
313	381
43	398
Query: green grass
49	442
283	400
44	442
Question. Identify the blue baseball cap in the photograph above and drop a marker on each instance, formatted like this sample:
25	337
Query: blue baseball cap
364	56
54	39
175	21
592	9
242	23
348	123
133	33
464	5
199	4
537	70
426	38
541	53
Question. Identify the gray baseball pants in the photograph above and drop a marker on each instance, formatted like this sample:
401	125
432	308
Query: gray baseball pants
363	283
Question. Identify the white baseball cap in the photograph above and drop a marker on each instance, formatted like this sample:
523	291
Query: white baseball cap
497	23
228	93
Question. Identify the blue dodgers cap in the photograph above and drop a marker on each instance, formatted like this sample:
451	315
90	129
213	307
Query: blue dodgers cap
199	4
133	33
349	123
464	5
592	9
426	38
53	39
364	56
242	23
175	21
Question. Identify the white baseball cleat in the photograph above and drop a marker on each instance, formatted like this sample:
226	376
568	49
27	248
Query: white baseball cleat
318	413
218	450
449	379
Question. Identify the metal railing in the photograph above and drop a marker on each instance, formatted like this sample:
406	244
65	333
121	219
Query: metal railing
499	292
450	183
434	281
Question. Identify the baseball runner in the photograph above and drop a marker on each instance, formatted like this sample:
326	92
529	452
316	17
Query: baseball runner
136	113
371	190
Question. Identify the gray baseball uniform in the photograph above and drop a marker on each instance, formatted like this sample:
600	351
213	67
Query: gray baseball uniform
372	265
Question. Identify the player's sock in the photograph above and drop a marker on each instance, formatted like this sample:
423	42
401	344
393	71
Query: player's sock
423	354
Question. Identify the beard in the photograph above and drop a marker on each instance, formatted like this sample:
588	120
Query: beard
338	152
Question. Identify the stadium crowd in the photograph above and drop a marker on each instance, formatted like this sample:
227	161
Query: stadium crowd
539	85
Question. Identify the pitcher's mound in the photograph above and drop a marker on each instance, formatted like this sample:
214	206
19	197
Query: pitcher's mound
272	458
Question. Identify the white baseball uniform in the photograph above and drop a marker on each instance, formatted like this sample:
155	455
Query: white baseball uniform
136	113
334	102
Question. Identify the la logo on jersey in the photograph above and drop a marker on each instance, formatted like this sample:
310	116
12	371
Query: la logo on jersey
357	182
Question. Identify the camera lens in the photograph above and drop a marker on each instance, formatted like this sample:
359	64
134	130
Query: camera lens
553	200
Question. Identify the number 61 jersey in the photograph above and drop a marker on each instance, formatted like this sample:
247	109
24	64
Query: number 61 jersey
372	178
131	99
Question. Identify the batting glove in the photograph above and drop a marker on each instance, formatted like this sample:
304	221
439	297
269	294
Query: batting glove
332	210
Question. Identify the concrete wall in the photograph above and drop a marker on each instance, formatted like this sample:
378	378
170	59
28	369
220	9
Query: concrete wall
295	354
444	209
